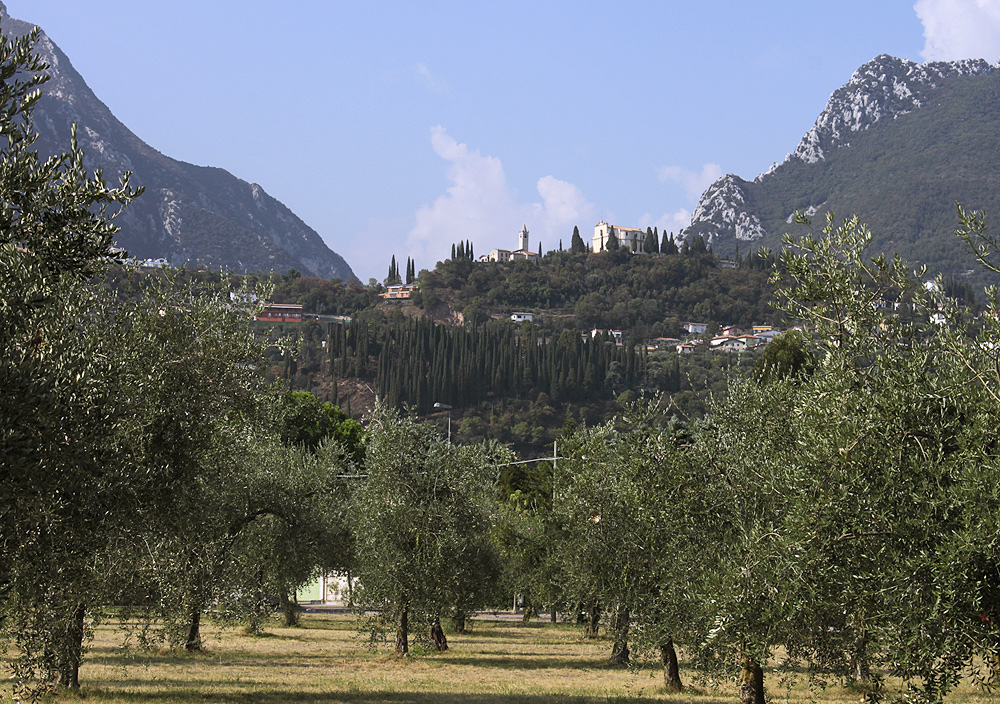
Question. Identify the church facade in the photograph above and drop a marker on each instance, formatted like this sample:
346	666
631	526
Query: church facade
629	238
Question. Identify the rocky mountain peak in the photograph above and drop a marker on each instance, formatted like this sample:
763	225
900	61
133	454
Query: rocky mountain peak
881	90
723	208
884	88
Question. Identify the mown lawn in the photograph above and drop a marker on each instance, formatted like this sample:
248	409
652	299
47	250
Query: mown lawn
326	660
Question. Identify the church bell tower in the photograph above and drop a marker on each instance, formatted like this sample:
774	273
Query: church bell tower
522	239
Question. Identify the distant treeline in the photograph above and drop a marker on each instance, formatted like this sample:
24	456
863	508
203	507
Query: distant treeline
419	363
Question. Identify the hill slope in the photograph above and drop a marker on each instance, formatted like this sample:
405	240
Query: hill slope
898	145
189	213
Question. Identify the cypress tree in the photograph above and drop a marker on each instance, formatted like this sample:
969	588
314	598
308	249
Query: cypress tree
650	245
611	244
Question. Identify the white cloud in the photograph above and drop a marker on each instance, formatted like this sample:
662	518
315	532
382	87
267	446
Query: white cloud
563	206
960	29
694	183
668	222
480	206
430	80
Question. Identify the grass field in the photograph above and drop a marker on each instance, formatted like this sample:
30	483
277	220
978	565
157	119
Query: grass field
326	660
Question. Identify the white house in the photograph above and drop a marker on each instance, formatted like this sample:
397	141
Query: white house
522	317
735	343
729	344
695	328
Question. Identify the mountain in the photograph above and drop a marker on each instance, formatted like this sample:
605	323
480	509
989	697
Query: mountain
899	144
188	213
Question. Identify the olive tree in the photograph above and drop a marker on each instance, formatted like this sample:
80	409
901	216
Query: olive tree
421	518
61	480
887	538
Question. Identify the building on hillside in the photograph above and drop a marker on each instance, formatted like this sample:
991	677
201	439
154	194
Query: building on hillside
629	238
661	343
398	292
695	328
523	250
522	317
767	335
726	343
158	263
281	313
615	335
735	343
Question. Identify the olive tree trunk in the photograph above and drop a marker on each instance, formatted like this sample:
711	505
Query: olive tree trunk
458	621
751	681
289	608
192	643
861	678
593	621
671	670
619	651
69	666
438	638
529	609
403	632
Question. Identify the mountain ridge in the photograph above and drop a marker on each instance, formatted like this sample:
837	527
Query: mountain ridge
188	213
898	145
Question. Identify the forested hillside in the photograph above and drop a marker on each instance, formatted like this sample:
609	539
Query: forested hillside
646	295
453	343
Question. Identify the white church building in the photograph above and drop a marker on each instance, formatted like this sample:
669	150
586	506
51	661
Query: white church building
523	250
629	238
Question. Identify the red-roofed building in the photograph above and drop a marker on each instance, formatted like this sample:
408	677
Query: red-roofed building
281	313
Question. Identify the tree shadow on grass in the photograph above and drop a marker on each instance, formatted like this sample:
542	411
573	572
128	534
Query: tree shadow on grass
530	661
378	697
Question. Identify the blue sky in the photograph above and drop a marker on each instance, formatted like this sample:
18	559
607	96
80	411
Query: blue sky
402	127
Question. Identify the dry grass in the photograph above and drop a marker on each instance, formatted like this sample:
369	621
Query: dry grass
326	661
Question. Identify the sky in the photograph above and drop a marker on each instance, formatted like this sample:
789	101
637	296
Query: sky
399	128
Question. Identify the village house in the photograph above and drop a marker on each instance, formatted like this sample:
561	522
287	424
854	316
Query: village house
695	328
660	343
728	344
522	317
399	292
281	313
735	343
